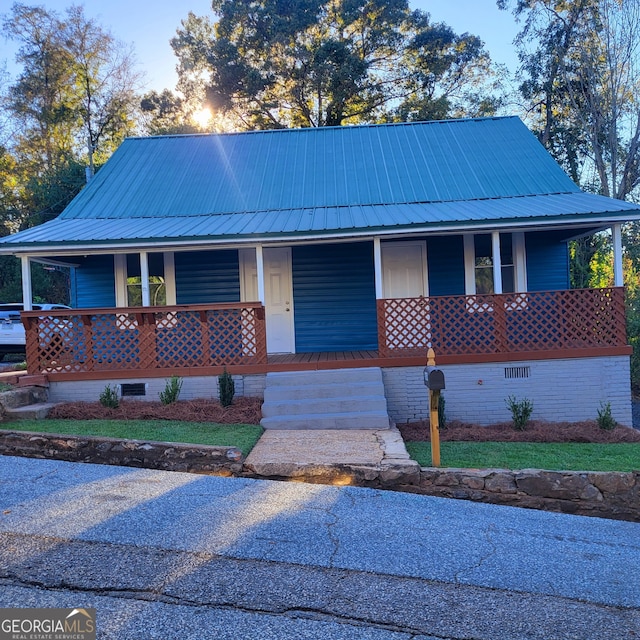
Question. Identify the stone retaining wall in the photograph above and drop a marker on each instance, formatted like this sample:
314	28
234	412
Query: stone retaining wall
166	456
606	495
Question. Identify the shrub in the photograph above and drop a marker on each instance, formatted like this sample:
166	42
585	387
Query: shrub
227	388
172	390
109	397
605	420
521	411
442	418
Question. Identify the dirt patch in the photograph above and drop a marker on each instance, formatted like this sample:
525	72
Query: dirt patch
242	411
536	431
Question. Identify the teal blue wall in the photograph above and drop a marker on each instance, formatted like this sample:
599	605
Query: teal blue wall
334	297
207	276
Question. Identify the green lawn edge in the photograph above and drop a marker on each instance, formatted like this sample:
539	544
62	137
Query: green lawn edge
621	457
242	436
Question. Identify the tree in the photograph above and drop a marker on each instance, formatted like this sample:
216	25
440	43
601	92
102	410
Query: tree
104	83
75	96
582	84
272	64
71	103
166	113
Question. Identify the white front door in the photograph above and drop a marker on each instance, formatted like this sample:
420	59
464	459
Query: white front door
278	291
404	272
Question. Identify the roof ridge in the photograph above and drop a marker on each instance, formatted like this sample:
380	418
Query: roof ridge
347	127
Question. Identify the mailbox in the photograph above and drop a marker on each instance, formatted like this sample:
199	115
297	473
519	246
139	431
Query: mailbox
434	378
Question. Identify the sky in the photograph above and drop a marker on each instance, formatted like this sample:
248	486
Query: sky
150	24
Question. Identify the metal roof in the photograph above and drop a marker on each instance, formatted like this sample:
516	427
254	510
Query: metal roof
327	221
331	181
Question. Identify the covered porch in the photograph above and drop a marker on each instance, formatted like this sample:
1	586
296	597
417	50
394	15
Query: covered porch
187	340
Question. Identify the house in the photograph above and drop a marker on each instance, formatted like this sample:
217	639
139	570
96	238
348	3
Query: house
332	248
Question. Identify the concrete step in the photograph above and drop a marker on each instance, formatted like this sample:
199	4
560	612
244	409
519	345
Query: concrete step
22	397
37	411
338	420
325	399
317	391
316	405
323	376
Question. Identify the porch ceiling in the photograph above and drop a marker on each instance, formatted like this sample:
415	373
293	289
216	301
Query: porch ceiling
523	211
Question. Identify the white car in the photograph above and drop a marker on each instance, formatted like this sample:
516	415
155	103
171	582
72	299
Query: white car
12	339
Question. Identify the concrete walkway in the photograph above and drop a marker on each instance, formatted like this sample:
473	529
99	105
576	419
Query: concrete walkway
163	555
295	453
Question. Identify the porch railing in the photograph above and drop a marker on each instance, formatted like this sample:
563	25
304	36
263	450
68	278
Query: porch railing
549	321
143	339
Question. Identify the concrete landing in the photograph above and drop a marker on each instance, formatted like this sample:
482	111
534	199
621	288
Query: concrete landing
324	453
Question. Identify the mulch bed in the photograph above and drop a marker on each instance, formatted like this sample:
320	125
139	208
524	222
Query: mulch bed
248	411
536	431
242	411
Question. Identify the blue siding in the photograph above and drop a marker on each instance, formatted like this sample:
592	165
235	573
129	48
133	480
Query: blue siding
445	259
547	261
93	283
207	276
334	297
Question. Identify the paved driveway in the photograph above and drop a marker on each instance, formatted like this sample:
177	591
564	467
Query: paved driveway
165	555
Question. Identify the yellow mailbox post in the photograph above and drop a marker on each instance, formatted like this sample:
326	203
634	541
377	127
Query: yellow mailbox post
434	380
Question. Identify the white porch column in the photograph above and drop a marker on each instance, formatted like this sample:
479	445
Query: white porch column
469	264
170	277
497	262
616	236
144	279
377	267
27	290
260	273
120	278
520	261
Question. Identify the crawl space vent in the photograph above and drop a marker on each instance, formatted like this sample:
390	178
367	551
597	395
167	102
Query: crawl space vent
135	389
511	373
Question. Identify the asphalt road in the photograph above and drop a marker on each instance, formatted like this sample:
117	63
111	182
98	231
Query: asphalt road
165	555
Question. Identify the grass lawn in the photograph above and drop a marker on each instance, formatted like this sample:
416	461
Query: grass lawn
531	455
243	436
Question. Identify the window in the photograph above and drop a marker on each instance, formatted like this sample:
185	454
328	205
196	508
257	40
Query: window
157	285
481	257
157	291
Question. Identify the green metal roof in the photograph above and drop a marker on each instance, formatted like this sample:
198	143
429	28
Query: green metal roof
335	180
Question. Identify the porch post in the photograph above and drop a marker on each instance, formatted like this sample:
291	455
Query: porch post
469	264
616	233
144	279
170	277
260	273
377	267
27	290
497	262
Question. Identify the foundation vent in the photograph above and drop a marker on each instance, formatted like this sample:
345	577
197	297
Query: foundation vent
135	389
511	373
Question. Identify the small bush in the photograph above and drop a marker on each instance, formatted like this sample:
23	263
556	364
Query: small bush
227	388
605	420
520	412
442	418
109	397
172	390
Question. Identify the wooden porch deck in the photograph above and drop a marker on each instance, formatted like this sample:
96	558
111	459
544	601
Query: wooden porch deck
338	360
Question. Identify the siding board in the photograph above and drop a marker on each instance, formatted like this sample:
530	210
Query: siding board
94	283
445	259
334	297
547	261
207	276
